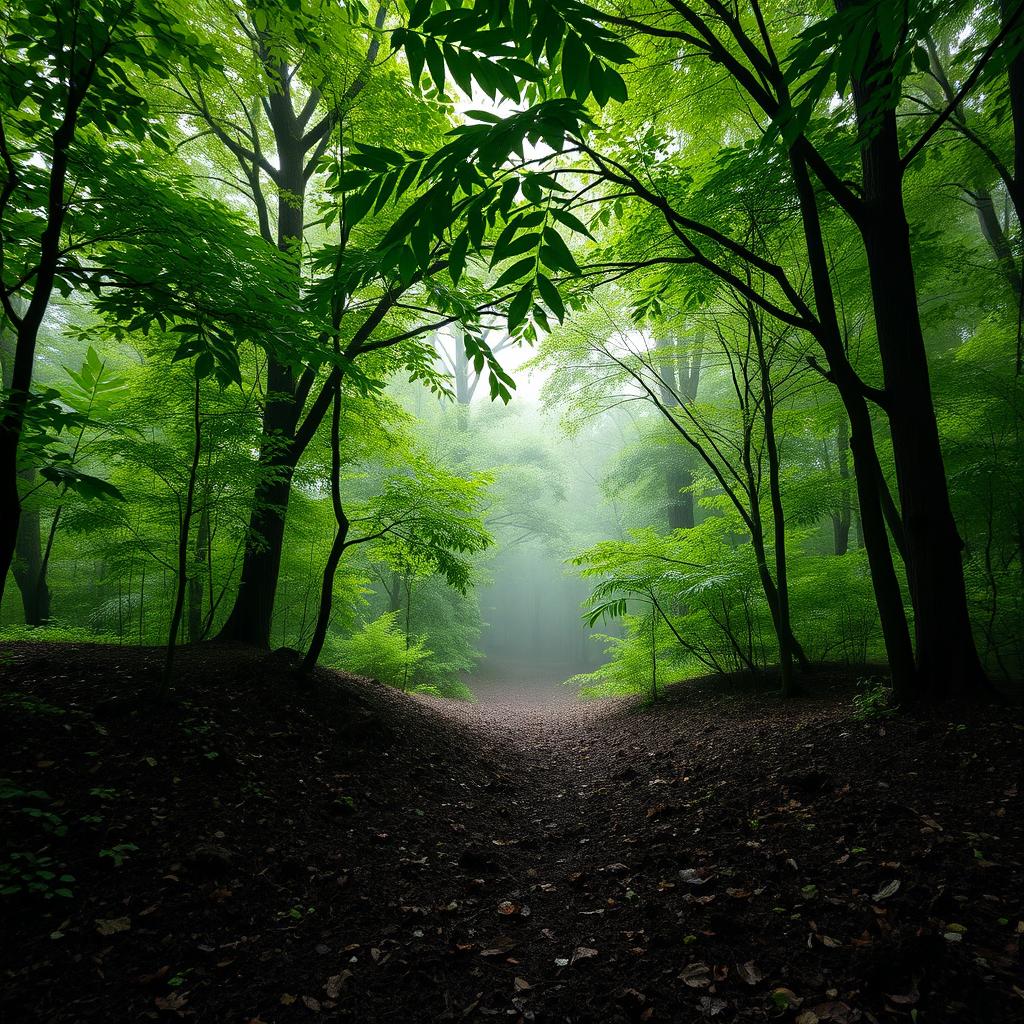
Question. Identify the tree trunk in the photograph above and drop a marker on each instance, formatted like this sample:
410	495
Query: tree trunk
195	583
993	232
252	614
777	608
947	660
184	526
323	618
28	565
792	648
867	471
679	479
680	377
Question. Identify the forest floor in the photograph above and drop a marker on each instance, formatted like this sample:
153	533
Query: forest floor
249	853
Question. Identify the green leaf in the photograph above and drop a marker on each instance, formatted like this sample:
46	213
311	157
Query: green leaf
516	271
575	66
555	253
520	305
549	293
515	247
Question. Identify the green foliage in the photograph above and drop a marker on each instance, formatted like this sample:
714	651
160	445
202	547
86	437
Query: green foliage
25	872
56	633
873	699
651	246
381	650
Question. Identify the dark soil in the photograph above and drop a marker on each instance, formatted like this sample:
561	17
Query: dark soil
249	852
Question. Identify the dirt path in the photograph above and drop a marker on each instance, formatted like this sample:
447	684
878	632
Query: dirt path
256	854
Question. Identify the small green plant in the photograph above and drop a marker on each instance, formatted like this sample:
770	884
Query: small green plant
26	802
298	913
120	853
873	698
25	872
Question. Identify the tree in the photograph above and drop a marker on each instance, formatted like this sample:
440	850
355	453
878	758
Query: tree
68	71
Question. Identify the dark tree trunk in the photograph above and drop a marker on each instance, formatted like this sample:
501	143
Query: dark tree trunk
947	660
867	471
792	648
28	567
252	614
184	526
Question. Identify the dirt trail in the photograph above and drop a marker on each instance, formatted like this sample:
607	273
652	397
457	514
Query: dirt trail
350	853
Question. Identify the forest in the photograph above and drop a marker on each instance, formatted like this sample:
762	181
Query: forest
511	508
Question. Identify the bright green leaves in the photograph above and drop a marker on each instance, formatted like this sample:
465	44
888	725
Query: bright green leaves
429	520
500	47
479	353
188	273
477	185
88	64
95	386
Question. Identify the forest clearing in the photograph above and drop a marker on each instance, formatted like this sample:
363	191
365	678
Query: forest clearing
511	508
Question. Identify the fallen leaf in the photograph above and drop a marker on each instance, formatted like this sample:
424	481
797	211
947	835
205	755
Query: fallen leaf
113	925
785	998
887	890
695	975
311	1003
582	953
710	1006
750	972
335	983
693	877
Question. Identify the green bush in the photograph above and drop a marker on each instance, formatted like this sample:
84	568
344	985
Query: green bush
379	649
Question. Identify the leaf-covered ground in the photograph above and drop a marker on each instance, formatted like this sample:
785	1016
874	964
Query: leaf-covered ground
250	853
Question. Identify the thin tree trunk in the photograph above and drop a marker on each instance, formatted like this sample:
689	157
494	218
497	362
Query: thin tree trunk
195	583
184	527
28	564
323	618
778	515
